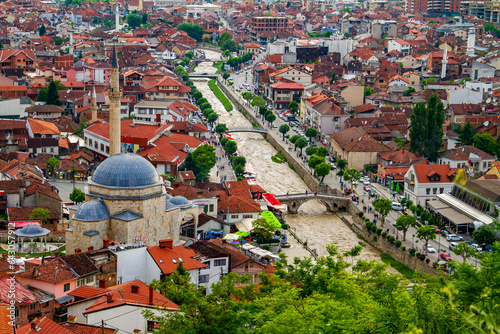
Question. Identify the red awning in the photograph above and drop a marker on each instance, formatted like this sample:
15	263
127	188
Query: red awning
23	224
271	199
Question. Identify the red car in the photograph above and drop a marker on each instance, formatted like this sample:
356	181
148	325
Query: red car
445	256
438	230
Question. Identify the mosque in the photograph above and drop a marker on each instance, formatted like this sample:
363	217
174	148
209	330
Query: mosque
126	200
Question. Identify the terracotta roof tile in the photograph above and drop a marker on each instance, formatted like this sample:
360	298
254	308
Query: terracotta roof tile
424	171
43	326
54	272
42	127
463	153
163	257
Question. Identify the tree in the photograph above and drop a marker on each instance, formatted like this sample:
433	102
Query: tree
134	21
271	118
52	165
464	250
40	214
426	233
225	76
212	117
73	172
77	196
484	235
247	95
321	151
333	78
315	160
42	30
231	147
193	30
197	95
404	222
342	164
263	227
426	132
258	101
322	170
353	252
284	128
226	53
58	41
383	206
144	18
352	174
409	91
221	128
310	133
294	107
239	161
467	133
486	143
201	161
84	123
52	94
311	150
368	91
301	143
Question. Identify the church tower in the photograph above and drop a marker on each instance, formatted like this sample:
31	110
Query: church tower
94	107
114	95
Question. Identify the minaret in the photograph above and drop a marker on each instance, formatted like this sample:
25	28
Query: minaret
471	42
71	49
114	95
94	107
117	18
445	61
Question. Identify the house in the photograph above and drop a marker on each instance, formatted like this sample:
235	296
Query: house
282	93
43	137
122	305
398	84
217	260
322	113
27	305
46	112
365	110
413	79
392	166
399	45
456	112
459	95
357	147
469	157
251	47
424	182
294	74
24	59
167	89
44	325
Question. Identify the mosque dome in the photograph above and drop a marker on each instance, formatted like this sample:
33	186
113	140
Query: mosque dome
93	210
179	201
125	170
31	231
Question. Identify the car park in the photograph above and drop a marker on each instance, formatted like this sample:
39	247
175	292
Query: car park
430	249
445	256
454	237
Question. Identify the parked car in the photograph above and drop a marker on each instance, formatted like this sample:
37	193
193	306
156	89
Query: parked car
477	248
445	256
430	249
313	143
333	165
397	206
445	233
453	245
367	188
372	193
332	159
366	182
438	230
454	237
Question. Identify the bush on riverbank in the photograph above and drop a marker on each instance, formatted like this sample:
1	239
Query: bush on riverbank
403	270
278	158
220	95
218	65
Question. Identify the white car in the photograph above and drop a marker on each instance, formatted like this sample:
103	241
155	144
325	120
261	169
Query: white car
454	237
366	182
430	249
453	245
397	206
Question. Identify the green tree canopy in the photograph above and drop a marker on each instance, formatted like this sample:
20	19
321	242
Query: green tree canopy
134	21
484	235
342	164
294	107
40	214
271	118
258	101
404	222
322	151
426	233
284	128
247	95
464	250
301	143
77	196
231	147
50	94
193	30
221	128
294	138
42	30
310	150
409	91
311	133
263	227
315	160
201	161
52	165
368	91
322	170
352	174
383	206
144	18
467	134
426	132
486	143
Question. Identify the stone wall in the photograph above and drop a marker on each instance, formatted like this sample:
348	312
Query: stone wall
384	246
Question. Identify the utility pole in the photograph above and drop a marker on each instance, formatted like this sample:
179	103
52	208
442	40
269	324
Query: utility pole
102	326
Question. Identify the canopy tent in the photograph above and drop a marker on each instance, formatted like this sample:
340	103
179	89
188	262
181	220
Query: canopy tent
272	201
231	236
215	232
242	233
22	224
271	219
245	225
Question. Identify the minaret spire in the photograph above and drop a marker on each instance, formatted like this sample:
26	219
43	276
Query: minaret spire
114	95
94	106
445	61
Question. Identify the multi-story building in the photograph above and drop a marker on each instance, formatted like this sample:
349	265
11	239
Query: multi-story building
263	24
282	93
433	6
425	182
18	59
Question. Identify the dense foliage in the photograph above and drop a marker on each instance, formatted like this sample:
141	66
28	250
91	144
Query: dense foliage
331	296
193	30
220	95
200	162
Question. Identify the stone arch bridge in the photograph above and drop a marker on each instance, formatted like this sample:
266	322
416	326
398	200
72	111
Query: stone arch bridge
332	203
257	130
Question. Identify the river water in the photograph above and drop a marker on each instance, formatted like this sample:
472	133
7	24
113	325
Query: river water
313	222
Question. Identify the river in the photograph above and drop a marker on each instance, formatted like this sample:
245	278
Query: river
313	222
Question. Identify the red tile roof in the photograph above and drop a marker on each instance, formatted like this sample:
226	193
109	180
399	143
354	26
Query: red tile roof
163	258
423	173
55	272
5	327
22	295
463	153
78	328
42	127
129	129
43	326
87	292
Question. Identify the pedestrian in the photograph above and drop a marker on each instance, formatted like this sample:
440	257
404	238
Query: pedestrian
287	194
314	194
306	192
217	173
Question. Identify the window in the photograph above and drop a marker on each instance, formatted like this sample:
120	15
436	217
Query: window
89	279
32	306
16	313
235	216
247	216
208	264
218	263
66	287
151	325
203	279
79	282
441	190
434	190
428	191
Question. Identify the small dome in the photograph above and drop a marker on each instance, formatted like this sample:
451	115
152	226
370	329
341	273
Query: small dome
93	210
179	201
124	170
167	197
32	231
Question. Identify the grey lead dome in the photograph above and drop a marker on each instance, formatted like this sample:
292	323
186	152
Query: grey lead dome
126	170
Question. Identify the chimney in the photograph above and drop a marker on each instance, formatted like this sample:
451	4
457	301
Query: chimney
90	248
78	250
151	291
103	284
72	319
109	298
134	289
33	324
105	242
166	243
56	254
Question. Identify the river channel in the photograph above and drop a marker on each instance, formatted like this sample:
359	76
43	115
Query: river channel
313	222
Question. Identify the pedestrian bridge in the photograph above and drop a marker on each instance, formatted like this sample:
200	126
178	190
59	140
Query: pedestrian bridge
203	76
257	130
332	203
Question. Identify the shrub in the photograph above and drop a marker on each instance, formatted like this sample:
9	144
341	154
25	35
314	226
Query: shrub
427	261
379	231
277	233
403	248
412	251
384	235
374	228
266	247
368	226
391	239
421	257
375	238
367	220
360	214
220	95
434	264
284	226
418	254
397	243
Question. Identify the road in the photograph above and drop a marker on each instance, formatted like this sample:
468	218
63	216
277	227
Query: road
440	243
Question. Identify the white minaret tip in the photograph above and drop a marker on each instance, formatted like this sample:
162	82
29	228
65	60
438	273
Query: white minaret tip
93	93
